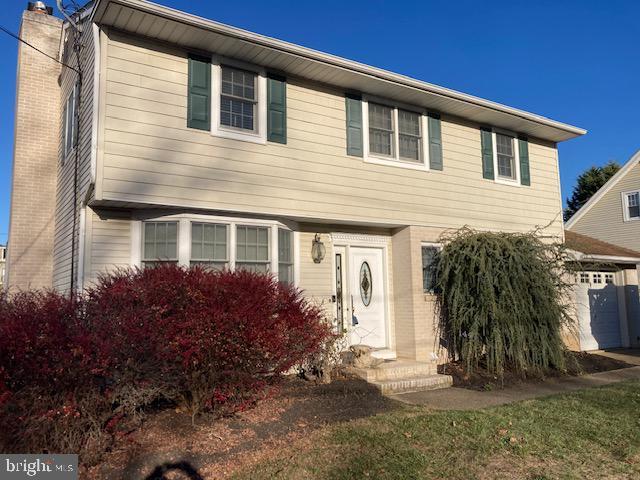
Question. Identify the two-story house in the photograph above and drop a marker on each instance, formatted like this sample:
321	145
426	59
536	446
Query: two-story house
180	139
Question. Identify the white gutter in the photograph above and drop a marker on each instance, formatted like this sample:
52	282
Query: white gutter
311	54
581	257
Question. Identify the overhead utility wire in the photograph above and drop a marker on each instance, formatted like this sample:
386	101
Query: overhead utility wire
10	33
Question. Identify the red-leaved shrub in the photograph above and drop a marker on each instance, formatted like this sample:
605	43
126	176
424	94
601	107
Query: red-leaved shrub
50	399
203	339
72	369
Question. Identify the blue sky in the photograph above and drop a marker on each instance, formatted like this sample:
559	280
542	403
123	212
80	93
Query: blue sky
575	61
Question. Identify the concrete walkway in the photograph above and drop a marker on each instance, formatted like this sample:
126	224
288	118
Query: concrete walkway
462	399
629	355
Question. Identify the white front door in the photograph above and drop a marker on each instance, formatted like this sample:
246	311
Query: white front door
367	297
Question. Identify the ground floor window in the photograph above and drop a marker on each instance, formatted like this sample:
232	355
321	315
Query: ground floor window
285	255
160	240
219	243
430	254
252	248
209	245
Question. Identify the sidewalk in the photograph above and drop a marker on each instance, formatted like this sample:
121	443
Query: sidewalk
463	399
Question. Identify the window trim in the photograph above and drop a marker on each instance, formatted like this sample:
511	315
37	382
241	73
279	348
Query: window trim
208	222
184	238
436	245
395	160
143	258
625	205
516	157
72	100
259	135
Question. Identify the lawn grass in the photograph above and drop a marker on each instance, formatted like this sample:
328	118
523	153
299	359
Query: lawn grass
588	434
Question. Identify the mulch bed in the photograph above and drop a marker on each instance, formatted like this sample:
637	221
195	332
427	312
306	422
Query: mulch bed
167	446
578	363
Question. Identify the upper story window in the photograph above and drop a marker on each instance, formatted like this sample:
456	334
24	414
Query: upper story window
238	99
631	206
409	133
209	245
394	136
381	130
506	157
160	242
69	122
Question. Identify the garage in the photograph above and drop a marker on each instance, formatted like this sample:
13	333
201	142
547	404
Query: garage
598	311
607	299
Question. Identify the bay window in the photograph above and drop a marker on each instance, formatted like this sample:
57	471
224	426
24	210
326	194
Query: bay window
252	248
160	241
209	245
285	255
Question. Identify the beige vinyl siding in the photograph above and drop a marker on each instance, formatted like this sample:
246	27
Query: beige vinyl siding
316	278
109	243
150	156
64	198
605	219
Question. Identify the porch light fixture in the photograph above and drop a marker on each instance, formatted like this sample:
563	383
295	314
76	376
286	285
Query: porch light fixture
317	249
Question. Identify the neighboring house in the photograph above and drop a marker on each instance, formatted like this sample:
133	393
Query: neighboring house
608	310
194	142
612	214
607	300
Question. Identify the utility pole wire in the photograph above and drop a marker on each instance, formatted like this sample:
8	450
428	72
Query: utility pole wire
10	33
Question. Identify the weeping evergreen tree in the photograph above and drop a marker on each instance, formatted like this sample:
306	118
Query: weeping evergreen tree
502	301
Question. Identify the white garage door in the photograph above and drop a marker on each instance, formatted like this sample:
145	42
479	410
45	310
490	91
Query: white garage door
597	302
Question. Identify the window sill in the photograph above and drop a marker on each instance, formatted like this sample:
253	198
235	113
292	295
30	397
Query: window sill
239	135
390	162
504	181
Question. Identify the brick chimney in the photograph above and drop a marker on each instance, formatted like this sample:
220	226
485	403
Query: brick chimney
35	153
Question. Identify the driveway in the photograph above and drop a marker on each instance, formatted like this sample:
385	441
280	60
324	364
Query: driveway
629	355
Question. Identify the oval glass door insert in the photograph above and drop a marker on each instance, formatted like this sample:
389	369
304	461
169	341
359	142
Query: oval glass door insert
365	284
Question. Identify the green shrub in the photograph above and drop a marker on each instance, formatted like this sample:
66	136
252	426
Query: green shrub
503	300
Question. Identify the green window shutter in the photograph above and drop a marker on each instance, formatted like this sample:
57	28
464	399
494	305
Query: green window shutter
435	142
354	125
523	150
276	109
487	153
199	93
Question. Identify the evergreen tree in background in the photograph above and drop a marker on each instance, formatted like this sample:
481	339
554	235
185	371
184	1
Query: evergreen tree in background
587	184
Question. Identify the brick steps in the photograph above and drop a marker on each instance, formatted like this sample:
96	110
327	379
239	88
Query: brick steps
402	376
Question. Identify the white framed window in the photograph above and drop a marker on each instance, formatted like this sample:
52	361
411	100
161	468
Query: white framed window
430	254
239	100
608	278
394	134
506	158
209	245
597	278
218	242
584	277
160	243
285	256
631	203
69	123
252	248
